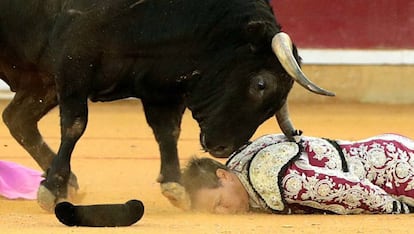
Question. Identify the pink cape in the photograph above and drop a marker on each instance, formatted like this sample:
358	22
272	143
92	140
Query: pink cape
17	181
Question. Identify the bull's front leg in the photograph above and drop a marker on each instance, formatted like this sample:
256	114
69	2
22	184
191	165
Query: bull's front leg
165	121
72	81
54	189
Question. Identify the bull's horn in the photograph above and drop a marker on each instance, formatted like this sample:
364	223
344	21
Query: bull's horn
282	47
282	116
283	119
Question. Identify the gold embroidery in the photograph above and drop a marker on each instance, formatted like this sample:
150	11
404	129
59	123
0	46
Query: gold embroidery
265	168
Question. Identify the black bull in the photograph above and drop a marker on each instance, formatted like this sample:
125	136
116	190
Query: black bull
215	57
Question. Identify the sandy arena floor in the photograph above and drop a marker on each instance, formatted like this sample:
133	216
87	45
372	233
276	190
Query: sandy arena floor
117	160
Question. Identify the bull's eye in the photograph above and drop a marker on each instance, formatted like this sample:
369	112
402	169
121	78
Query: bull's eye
261	85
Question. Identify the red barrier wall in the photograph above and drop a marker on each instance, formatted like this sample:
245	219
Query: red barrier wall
353	24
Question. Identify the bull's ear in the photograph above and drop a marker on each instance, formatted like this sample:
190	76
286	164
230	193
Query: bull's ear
255	28
256	34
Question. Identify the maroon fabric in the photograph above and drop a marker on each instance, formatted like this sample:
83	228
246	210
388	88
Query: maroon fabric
381	173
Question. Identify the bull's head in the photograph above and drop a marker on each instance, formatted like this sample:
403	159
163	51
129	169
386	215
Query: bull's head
245	92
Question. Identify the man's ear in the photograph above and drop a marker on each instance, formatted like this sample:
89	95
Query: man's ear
222	174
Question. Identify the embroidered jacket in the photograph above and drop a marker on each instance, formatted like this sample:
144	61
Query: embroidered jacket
374	175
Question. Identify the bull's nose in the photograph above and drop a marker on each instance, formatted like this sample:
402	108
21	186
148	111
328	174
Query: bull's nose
218	151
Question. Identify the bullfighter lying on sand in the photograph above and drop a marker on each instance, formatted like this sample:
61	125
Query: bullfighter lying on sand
316	175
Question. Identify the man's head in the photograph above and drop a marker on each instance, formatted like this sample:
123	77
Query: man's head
212	187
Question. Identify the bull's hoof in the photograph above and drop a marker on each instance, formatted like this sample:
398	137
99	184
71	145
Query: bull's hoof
47	200
176	194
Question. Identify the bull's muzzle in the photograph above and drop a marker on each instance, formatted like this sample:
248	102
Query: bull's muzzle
216	150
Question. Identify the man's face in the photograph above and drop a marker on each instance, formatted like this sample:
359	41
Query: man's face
229	198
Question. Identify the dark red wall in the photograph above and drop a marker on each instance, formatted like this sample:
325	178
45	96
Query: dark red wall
359	24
